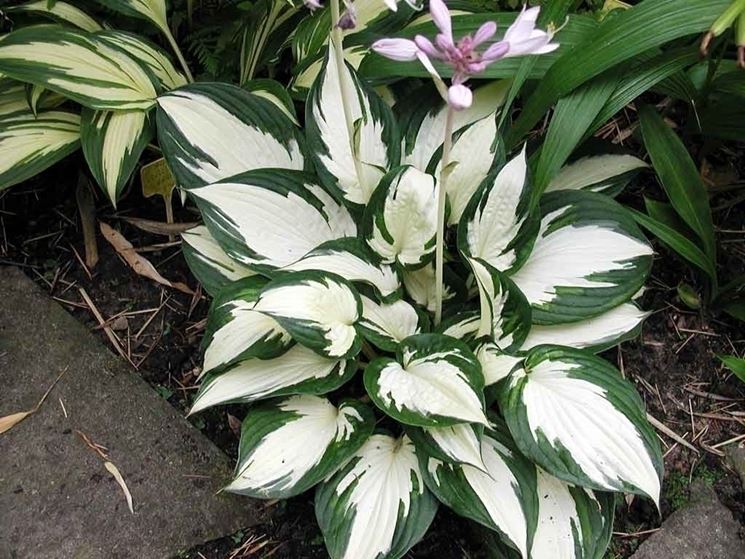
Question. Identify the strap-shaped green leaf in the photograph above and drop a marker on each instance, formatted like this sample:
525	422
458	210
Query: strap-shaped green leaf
77	64
386	325
152	10
112	143
353	172
236	331
297	371
212	131
401	219
588	258
599	173
58	11
435	381
577	417
269	219
30	144
318	309
377	505
208	262
288	446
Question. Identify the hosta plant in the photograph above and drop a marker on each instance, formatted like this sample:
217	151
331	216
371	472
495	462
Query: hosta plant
369	379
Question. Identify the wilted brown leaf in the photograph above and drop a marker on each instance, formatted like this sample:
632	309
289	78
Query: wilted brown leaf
114	471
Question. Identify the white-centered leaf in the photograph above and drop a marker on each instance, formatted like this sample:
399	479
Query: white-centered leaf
421	286
435	381
236	331
578	418
455	444
17	98
29	144
388	324
599	173
212	131
77	64
501	495
463	326
288	446
377	505
319	310
496	215
298	371
208	262
597	333
274	92
495	363
112	144
59	11
376	142
401	218
588	258
268	219
153	10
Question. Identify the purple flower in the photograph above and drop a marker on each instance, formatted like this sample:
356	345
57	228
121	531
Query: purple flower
313	4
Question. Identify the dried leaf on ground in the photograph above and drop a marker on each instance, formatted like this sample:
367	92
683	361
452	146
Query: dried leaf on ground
114	471
9	421
158	227
141	265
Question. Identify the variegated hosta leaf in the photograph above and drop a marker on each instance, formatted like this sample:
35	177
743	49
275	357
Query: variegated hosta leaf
496	225
588	258
454	444
112	143
377	505
297	371
235	331
596	333
425	126
421	286
148	54
208	262
33	96
319	310
386	325
505	313
58	11
573	522
152	10
502	496
434	381
77	64
401	218
463	326
288	446
599	173
212	131
275	92
495	363
376	142
574	415
352	259
269	219
13	98
29	144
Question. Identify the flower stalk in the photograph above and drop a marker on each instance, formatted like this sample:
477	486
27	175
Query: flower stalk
441	197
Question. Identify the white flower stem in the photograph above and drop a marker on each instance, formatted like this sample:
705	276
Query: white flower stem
441	190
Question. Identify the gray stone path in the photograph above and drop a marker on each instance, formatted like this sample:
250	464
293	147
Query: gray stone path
57	501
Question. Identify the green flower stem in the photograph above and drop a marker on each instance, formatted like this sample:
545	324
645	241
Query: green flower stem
179	55
440	246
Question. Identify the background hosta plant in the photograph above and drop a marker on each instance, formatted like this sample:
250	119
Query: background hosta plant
319	246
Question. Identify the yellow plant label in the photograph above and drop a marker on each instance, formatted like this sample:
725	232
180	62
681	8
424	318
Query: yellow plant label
157	178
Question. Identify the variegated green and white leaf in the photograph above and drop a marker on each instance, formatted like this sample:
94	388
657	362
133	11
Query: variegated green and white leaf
307	73
30	144
297	371
596	333
17	98
152	10
112	144
501	496
578	418
212	131
377	505
434	381
498	217
462	326
269	219
355	173
495	363
454	444
208	262
352	259
421	286
588	258
573	522
505	313
386	325
599	173
33	96
152	56
318	309
235	331
58	11
401	218
275	92
290	445
77	64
